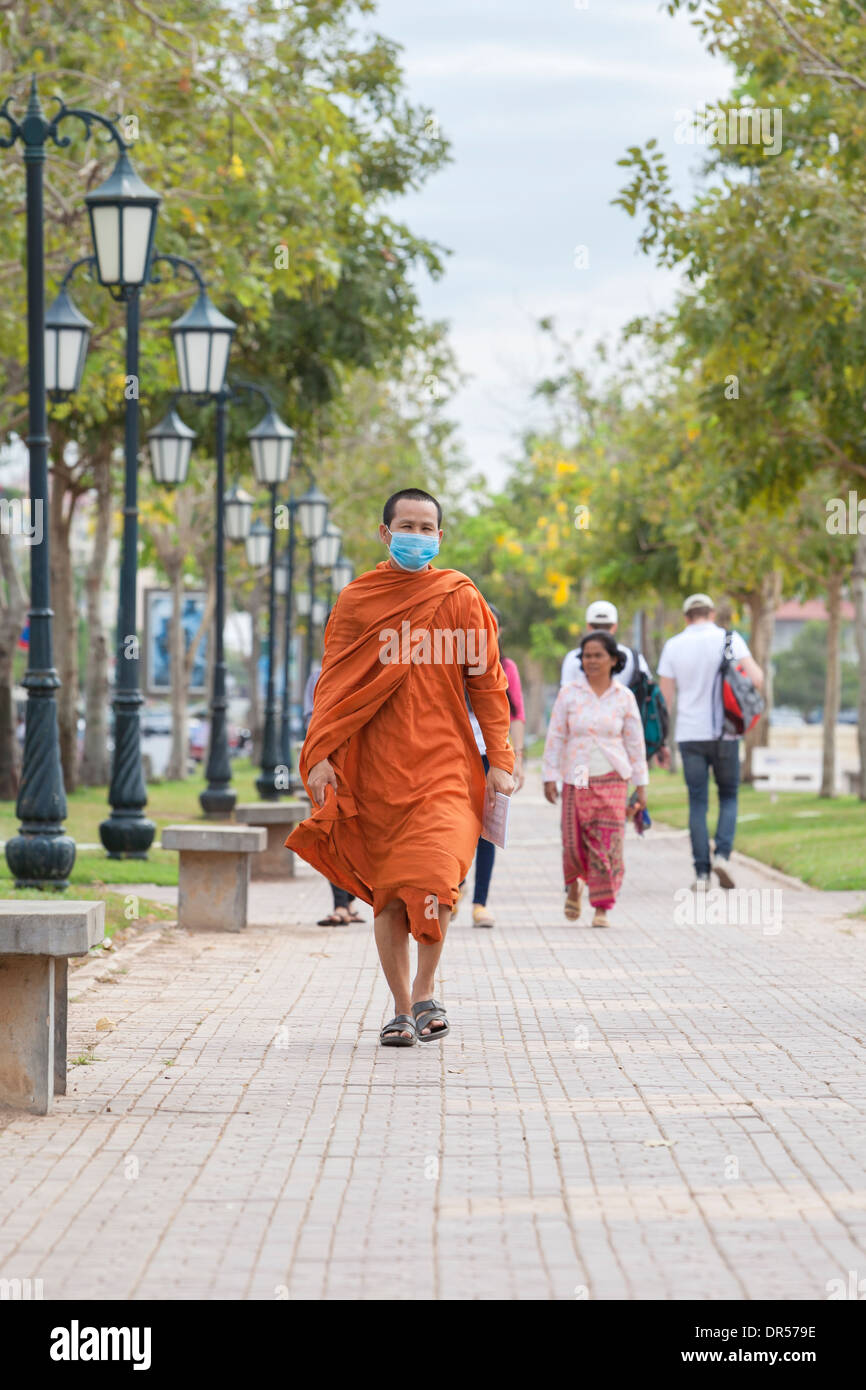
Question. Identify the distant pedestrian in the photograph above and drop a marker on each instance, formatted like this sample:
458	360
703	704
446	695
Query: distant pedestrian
595	745
691	665
344	914
485	852
636	675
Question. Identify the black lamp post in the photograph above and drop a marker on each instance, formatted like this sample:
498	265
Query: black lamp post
284	576
202	341
313	516
271	446
42	855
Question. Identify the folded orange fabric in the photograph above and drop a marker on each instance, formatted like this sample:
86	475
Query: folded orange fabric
390	715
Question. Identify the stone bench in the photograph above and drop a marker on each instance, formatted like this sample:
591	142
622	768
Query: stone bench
785	771
36	941
214	873
279	820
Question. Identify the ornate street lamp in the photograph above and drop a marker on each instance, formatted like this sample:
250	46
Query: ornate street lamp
342	573
327	547
312	513
285	575
202	339
67	335
271	448
170	446
41	854
238	512
303	602
123	224
258	545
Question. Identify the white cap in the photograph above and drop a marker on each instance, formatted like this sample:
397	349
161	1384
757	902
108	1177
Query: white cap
697	601
601	612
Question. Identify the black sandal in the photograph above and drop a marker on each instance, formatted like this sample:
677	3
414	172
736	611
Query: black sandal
425	1012
392	1034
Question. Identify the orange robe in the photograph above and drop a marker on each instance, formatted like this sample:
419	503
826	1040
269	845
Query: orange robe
406	816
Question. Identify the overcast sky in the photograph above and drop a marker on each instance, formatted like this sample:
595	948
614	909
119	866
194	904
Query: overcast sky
539	98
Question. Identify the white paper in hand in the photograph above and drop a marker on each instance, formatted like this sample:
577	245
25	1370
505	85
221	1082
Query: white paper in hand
494	825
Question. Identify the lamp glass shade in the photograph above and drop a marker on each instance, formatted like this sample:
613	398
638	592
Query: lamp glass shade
271	448
320	611
258	544
238	512
123	213
67	335
326	549
302	600
281	578
341	575
202	339
170	445
313	513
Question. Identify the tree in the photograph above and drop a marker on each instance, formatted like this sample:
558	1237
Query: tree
302	129
773	258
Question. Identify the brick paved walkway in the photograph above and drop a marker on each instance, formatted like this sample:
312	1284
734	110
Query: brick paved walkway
656	1111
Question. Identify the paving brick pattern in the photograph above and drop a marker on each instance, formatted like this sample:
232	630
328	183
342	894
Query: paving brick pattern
661	1110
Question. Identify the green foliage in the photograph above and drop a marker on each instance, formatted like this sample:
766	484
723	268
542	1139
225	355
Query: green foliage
800	671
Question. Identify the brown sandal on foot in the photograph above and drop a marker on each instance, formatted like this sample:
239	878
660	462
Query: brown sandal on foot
573	905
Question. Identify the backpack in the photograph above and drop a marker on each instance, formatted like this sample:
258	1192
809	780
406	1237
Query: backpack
742	702
653	709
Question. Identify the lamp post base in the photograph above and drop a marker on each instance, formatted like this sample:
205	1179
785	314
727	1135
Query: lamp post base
40	860
127	836
218	801
266	785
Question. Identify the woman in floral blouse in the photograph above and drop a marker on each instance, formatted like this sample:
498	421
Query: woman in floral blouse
594	746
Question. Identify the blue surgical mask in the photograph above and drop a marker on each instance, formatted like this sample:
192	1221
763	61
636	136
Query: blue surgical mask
411	550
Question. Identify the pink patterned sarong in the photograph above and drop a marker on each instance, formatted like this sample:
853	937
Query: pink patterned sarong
593	830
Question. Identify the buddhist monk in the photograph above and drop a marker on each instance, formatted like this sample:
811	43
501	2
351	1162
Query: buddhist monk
390	760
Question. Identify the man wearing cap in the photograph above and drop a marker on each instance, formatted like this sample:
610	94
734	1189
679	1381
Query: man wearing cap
690	663
602	616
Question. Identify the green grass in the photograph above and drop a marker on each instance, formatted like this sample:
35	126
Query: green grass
820	841
168	803
121	909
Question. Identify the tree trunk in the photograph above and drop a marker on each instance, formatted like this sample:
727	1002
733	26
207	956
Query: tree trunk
12	615
832	684
65	624
95	761
858	587
177	763
762	604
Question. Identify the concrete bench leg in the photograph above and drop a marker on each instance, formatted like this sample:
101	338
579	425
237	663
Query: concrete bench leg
212	890
275	861
61	970
27	1032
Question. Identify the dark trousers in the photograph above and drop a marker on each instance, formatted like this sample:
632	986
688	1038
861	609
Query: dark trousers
341	897
723	756
485	853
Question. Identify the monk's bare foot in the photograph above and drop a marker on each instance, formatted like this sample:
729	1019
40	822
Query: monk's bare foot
435	1025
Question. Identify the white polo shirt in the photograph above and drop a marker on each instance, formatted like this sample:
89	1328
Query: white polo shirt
693	659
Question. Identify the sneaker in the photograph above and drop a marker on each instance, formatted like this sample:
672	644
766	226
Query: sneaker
701	883
721	865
